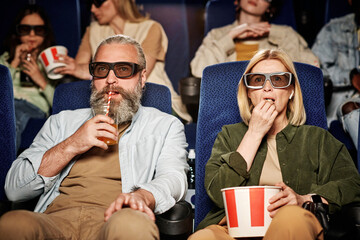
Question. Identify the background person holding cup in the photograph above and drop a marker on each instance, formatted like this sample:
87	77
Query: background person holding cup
33	91
123	17
51	58
272	146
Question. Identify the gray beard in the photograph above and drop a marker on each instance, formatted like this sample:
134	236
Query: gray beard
127	106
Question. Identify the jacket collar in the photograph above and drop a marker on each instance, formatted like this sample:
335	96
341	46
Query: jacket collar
289	132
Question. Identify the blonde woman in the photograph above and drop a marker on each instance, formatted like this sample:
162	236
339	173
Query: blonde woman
272	146
123	17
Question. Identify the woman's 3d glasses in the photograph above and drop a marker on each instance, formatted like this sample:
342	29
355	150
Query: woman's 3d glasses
258	80
121	69
98	3
25	29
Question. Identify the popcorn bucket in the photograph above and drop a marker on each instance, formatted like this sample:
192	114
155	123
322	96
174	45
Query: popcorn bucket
48	59
246	210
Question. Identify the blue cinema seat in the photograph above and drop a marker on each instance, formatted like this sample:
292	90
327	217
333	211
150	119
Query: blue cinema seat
171	14
337	130
358	148
74	95
336	8
218	107
7	126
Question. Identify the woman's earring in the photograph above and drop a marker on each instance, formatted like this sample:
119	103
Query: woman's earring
291	95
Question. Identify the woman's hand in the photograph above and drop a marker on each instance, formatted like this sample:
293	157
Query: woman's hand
20	52
262	118
32	69
286	196
252	30
72	68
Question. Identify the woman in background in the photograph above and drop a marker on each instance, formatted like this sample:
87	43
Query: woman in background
33	91
123	17
249	33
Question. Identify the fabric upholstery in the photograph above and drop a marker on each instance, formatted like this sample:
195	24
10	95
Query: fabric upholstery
70	96
337	130
335	9
218	107
65	19
7	126
358	151
177	57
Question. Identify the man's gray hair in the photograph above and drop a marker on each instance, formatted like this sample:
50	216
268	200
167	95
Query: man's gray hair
124	40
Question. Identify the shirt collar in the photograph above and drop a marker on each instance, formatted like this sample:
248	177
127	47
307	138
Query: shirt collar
289	132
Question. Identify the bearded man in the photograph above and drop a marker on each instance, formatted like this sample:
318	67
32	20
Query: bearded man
89	190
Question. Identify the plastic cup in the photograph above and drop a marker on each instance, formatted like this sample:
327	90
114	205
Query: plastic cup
49	57
104	110
246	210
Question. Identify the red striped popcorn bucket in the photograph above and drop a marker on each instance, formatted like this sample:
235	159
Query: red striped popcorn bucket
246	210
48	59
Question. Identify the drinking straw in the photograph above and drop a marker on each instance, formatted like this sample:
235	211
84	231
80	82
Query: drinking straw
108	104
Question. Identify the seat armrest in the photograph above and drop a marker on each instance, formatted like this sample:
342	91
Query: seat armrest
345	224
177	222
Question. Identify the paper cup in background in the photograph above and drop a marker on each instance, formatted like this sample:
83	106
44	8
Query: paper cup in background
48	56
246	210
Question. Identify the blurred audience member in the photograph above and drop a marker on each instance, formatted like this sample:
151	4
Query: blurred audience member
33	91
250	32
123	17
349	111
337	46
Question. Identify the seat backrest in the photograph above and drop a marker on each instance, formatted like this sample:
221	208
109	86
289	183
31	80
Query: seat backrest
74	95
218	107
66	22
7	126
358	148
219	13
171	14
335	9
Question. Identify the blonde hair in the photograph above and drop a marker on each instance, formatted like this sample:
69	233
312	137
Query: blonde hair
295	109
128	10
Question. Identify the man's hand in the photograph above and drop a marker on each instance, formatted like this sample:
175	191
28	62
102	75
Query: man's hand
141	200
86	137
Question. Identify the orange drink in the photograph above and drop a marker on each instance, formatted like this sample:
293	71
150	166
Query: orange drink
109	141
104	109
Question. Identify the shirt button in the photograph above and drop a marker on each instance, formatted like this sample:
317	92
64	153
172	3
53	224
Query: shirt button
287	182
